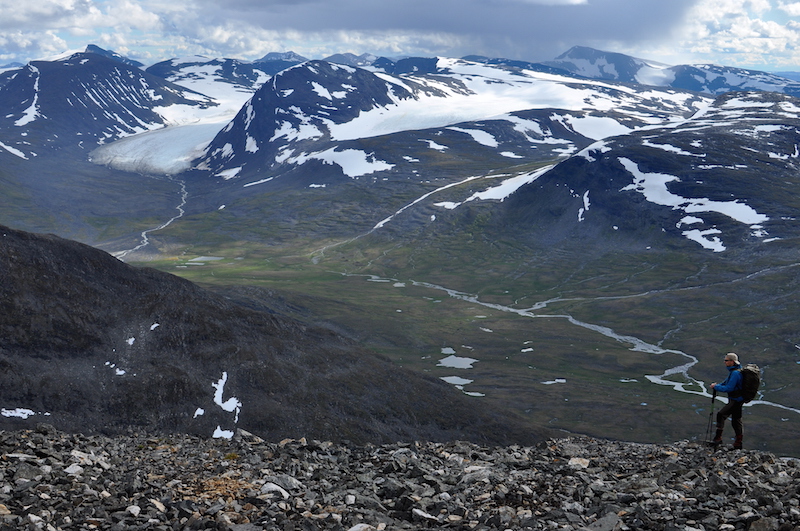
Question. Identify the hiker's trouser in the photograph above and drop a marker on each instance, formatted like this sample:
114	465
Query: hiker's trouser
732	409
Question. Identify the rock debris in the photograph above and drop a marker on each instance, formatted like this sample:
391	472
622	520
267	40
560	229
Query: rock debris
51	480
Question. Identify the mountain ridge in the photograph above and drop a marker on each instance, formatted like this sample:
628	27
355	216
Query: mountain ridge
707	78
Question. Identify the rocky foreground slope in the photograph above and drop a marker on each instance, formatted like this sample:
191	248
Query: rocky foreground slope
52	480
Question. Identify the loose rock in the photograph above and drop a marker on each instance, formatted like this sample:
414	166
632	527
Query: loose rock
161	483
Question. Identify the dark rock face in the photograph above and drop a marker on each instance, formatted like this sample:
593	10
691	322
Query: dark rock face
92	344
49	480
82	101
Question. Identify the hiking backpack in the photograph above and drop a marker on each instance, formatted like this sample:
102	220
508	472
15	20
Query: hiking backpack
751	381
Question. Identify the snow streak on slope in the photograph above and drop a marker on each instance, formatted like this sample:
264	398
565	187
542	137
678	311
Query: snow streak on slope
32	112
87	100
499	192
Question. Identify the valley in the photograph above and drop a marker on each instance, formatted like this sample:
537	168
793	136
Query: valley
573	341
577	252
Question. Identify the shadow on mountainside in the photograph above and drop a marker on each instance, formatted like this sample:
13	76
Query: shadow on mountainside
92	344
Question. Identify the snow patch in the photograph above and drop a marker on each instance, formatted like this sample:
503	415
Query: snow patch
354	163
13	151
653	186
230	173
585	207
232	404
456	362
251	145
19	412
702	237
481	137
456	380
594	127
219	433
434	145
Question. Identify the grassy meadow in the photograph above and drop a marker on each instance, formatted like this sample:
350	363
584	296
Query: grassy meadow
391	296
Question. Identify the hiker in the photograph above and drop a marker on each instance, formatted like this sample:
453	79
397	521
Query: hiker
733	386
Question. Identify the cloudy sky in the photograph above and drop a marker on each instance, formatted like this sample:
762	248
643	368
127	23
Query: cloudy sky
762	34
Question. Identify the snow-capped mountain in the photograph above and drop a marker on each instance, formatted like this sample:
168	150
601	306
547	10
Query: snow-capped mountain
711	79
214	77
327	122
722	180
85	100
290	57
311	112
299	107
351	59
93	48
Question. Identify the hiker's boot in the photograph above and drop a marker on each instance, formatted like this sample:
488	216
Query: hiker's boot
737	443
717	438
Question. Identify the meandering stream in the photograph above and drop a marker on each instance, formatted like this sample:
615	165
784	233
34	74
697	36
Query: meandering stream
144	239
690	384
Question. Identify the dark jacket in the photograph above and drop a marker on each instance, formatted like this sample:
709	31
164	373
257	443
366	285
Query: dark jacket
732	384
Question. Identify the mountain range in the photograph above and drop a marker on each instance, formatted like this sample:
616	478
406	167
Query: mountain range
578	241
711	79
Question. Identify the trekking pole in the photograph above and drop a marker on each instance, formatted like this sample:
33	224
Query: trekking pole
710	428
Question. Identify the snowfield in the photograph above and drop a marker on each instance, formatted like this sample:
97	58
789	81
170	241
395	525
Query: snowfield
491	93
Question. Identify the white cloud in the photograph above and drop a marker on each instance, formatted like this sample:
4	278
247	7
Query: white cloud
131	15
26	14
749	33
791	9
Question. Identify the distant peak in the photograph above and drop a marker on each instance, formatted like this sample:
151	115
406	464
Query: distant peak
283	56
351	59
582	52
93	48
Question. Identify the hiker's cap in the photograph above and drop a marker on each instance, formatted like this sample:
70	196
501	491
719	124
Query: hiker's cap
732	356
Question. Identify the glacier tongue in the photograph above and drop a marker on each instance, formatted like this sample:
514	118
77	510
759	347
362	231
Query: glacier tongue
166	151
